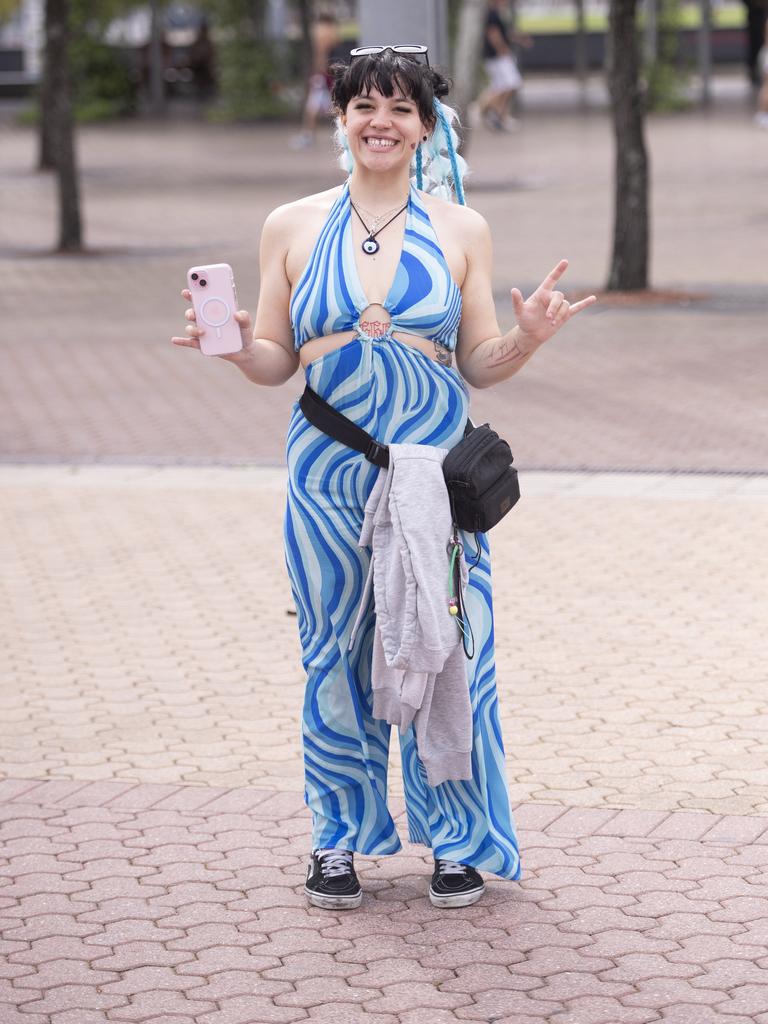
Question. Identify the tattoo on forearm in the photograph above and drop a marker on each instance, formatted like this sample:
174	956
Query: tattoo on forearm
505	351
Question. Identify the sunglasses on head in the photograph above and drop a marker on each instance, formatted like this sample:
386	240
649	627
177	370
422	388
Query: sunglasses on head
414	50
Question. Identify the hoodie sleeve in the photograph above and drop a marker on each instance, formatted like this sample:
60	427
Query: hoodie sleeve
421	517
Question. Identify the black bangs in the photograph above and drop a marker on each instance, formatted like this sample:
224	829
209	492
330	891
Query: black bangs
390	74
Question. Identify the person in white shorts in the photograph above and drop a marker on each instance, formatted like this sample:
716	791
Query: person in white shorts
325	36
504	78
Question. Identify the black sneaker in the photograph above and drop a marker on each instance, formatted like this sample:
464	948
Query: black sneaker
454	885
331	880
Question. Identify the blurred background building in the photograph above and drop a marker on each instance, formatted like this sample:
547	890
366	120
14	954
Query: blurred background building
249	58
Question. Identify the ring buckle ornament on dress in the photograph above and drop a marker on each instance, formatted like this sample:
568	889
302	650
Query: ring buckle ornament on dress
414	50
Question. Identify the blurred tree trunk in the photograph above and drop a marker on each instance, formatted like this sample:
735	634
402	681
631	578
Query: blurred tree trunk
580	57
304	8
61	129
454	12
156	59
466	58
45	157
629	262
307	55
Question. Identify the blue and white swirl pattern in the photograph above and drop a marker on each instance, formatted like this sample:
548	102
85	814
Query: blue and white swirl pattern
423	299
396	393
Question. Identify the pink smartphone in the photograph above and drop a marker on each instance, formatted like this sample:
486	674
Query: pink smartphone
214	300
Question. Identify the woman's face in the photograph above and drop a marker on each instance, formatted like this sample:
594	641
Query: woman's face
382	132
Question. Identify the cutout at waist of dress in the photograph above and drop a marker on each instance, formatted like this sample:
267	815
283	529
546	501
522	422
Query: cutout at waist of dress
316	348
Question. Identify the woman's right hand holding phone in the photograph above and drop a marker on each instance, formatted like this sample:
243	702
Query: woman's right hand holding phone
193	332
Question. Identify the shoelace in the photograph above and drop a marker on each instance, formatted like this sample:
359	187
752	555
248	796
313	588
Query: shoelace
451	867
334	862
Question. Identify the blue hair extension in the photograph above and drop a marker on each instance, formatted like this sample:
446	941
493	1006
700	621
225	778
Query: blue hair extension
457	183
419	168
346	162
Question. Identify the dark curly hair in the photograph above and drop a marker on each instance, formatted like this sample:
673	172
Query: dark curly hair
386	72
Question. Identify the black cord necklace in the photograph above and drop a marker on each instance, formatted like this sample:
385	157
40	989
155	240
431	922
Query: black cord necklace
370	246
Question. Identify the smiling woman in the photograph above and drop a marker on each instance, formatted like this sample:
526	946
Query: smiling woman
374	287
384	126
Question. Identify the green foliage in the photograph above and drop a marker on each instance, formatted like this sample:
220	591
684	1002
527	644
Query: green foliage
251	68
248	78
667	76
562	18
8	8
103	83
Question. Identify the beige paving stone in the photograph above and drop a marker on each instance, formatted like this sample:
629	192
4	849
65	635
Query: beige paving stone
400	997
317	992
66	997
230	720
495	1003
350	1013
430	1015
80	1017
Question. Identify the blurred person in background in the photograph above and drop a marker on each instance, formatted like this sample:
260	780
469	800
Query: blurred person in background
380	290
325	39
201	62
757	15
504	78
761	117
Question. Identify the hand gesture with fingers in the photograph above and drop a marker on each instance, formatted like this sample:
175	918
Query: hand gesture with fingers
546	310
193	332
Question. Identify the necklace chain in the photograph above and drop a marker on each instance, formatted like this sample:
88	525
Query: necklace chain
370	246
377	218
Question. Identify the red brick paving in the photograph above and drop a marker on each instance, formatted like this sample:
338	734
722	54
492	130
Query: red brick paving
150	901
665	387
629	924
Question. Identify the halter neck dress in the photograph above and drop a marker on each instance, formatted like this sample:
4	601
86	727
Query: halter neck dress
398	394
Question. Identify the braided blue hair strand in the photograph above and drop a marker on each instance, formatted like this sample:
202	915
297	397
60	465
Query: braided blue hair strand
450	137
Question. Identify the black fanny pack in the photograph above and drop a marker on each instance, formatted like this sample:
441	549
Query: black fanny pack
481	481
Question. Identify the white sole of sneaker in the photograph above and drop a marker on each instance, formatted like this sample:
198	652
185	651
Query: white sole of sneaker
459	900
333	902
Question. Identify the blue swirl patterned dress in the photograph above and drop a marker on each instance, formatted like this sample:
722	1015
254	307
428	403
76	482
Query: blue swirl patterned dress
398	394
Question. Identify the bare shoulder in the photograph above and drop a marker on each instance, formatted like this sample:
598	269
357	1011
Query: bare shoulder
292	229
464	216
463	220
285	218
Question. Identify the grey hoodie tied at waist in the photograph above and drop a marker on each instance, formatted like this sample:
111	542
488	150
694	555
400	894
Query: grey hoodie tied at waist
419	671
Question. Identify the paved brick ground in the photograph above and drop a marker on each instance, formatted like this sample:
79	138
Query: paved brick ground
665	388
152	831
149	640
131	902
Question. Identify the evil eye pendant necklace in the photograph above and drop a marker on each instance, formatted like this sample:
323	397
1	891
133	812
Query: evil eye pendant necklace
370	246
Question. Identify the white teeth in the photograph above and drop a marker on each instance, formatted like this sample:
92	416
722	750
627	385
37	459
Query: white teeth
380	143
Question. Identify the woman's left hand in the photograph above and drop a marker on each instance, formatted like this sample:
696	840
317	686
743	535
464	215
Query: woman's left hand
544	313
